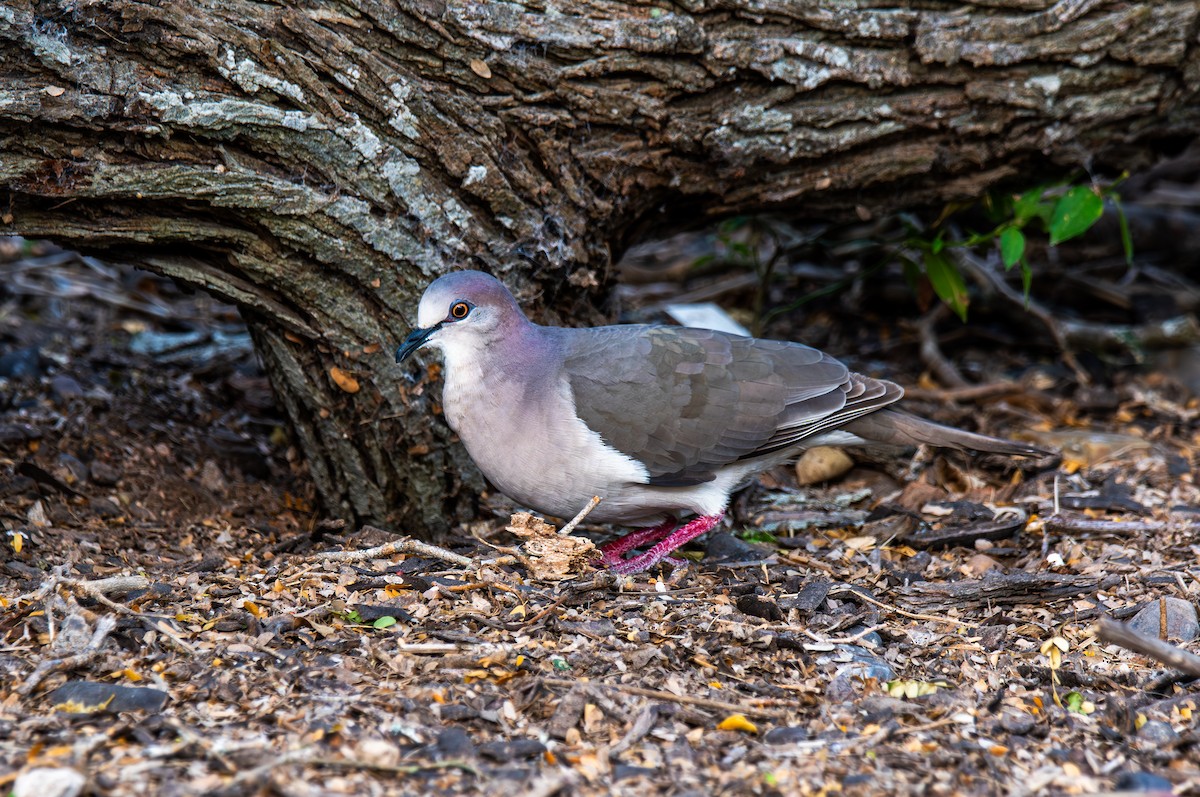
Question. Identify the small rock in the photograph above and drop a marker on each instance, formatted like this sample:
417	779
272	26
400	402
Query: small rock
725	547
786	735
454	742
49	782
1018	723
510	751
104	474
758	606
1157	732
1143	781
993	637
65	387
70	470
105	508
378	752
21	364
979	564
822	464
212	479
1182	624
91	697
852	678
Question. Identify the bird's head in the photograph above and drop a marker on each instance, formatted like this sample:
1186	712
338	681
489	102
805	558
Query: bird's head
463	310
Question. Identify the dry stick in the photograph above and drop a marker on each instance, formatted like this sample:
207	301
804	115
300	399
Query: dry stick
406	545
718	705
897	609
931	352
969	393
1119	633
95	645
96	591
575	521
1057	522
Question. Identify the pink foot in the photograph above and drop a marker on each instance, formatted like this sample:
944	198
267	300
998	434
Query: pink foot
663	549
612	551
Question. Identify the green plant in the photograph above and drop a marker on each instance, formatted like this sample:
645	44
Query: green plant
1063	210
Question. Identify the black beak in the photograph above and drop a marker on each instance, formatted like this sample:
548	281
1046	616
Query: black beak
414	341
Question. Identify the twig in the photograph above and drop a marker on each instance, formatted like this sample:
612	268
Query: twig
1057	522
902	612
953	395
931	352
95	646
406	545
575	521
1119	633
96	590
656	694
107	586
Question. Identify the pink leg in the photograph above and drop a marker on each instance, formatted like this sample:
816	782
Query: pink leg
663	549
613	551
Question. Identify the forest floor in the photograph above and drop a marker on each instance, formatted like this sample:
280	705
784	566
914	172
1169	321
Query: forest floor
177	617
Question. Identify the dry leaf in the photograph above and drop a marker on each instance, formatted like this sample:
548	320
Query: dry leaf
480	68
550	556
737	722
343	379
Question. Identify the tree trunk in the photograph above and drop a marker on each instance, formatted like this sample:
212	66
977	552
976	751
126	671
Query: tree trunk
318	163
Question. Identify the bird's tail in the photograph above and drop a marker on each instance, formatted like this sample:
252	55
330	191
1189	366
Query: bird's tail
900	428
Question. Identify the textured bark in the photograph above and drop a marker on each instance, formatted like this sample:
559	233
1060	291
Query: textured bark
317	163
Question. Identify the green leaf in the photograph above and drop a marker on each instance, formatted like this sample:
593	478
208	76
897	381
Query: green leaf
1026	278
1012	246
384	622
1074	702
947	282
757	535
353	616
1025	207
1074	214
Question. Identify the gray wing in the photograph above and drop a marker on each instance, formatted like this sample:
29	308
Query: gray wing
687	402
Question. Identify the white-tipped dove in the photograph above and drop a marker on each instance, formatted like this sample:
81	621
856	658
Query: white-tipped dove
656	420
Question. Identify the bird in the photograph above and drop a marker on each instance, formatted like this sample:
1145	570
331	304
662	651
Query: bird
659	421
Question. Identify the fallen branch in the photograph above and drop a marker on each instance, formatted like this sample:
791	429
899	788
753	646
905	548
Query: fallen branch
406	545
931	352
1118	633
1072	523
1006	589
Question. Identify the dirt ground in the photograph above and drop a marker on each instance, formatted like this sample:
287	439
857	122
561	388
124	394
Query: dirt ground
171	623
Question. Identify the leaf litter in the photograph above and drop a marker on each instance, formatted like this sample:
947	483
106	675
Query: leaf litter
177	620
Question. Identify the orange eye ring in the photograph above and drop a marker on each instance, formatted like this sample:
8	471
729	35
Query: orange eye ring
459	310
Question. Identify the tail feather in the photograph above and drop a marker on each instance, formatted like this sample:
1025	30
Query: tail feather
900	428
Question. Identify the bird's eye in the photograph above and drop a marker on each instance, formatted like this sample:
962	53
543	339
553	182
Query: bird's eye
459	310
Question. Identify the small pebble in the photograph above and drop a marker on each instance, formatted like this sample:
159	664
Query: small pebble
48	782
1018	723
1182	624
1143	781
1157	732
104	474
786	735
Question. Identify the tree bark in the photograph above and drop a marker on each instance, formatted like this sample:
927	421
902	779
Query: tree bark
318	163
